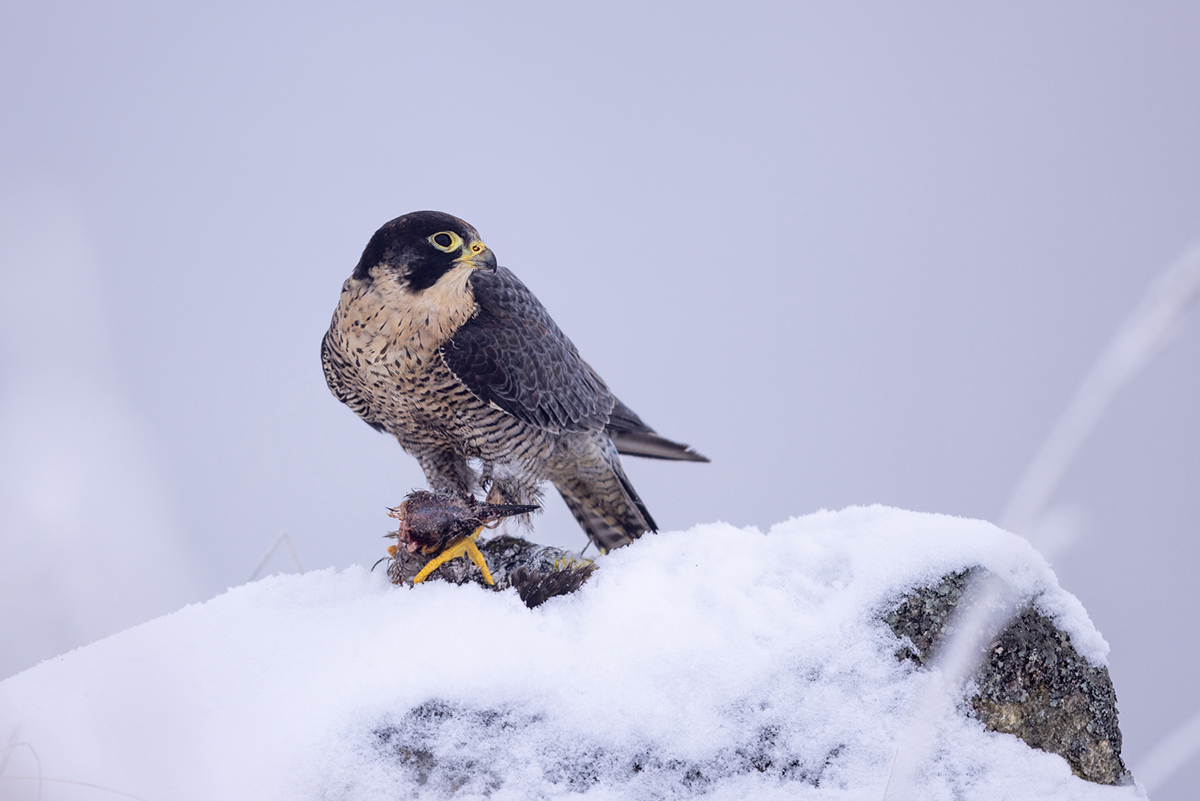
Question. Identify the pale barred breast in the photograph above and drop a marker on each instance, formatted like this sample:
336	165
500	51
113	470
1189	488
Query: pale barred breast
438	409
387	328
391	340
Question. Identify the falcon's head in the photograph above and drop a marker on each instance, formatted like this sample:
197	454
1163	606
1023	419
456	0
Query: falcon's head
420	249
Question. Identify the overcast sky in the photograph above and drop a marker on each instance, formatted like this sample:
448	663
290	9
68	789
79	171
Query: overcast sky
853	253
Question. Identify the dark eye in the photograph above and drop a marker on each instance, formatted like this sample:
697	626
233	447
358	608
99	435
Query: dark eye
446	241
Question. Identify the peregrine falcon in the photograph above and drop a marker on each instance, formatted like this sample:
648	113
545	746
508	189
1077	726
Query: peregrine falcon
435	344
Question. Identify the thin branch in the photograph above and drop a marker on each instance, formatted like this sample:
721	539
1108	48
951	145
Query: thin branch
1141	336
13	743
292	553
281	539
41	779
14	740
891	770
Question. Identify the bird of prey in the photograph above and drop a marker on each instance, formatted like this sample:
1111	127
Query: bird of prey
435	344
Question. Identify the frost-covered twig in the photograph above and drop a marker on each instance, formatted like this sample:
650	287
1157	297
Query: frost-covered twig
1142	335
955	662
14	739
286	541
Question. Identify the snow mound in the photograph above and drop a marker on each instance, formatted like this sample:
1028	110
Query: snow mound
719	662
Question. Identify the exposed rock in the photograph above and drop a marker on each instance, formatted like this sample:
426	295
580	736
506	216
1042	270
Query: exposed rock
1032	682
453	748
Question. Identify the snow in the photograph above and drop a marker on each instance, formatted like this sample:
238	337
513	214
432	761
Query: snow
720	661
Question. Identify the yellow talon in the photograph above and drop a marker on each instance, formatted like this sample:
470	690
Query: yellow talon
467	546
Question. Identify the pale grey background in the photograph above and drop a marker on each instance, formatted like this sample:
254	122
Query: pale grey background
853	253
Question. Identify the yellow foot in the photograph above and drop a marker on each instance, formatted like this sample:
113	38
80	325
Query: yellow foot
464	546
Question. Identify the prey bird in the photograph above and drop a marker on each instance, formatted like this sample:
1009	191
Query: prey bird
447	524
442	525
435	344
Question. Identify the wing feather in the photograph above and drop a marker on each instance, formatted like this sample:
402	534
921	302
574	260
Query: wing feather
512	354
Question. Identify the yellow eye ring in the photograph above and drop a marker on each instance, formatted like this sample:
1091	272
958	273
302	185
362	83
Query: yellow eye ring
446	241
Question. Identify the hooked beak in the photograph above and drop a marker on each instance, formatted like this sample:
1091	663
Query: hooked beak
479	256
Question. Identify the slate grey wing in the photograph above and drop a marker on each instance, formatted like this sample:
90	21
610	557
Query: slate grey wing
512	354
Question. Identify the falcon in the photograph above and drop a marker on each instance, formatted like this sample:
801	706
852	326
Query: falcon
435	344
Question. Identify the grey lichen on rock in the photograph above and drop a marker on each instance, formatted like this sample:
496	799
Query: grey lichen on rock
1032	683
448	748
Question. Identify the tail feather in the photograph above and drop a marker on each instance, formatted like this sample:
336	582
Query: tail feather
649	445
604	530
599	495
637	501
634	438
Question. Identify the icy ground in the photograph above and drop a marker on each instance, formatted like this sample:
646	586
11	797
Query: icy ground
717	662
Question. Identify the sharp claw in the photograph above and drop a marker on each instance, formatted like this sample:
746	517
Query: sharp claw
477	557
466	546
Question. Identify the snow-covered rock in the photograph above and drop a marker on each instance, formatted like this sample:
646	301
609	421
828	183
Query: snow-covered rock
717	661
1029	680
